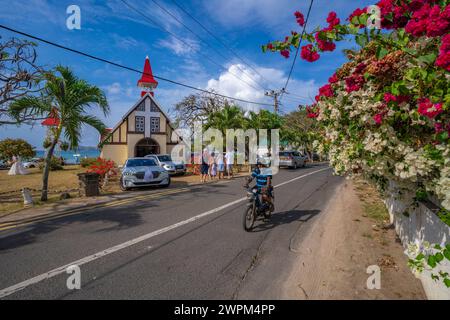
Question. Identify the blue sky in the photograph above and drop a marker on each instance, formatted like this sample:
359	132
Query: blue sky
113	31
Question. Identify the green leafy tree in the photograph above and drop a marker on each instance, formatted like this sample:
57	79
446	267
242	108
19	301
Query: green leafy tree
230	117
68	99
264	119
300	131
15	147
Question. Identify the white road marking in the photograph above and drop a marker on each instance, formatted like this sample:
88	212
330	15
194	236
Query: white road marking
22	285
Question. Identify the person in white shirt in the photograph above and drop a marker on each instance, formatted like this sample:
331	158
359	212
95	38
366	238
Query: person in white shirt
220	165
229	159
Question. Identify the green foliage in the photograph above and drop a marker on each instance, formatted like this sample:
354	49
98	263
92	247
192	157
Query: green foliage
87	162
69	99
444	215
429	257
15	147
55	164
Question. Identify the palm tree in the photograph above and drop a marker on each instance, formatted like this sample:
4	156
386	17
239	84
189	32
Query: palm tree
230	117
65	98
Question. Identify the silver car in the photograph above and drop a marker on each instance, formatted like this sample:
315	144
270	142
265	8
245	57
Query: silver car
143	172
165	161
292	159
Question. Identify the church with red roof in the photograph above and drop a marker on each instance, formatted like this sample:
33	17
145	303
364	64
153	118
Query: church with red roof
144	129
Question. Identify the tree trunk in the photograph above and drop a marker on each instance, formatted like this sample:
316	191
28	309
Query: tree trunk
44	194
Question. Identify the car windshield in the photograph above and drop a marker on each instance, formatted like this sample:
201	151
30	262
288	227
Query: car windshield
285	154
164	158
141	163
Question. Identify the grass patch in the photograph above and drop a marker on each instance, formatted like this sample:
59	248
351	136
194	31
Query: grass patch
373	206
376	211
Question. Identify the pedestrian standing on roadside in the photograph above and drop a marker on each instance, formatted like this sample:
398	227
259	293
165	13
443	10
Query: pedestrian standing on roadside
204	168
212	166
220	165
229	159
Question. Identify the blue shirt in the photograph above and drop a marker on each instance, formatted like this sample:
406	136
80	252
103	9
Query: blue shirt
261	178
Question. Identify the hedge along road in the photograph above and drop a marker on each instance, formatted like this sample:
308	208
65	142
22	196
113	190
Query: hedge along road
184	245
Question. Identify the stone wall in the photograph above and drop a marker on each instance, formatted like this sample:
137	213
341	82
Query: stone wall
417	224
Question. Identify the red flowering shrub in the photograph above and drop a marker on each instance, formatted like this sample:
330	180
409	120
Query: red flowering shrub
326	91
285	53
300	18
333	79
428	109
443	60
312	111
354	83
102	167
324	45
309	54
333	20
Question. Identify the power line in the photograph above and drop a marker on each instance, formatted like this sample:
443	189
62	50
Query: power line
298	47
184	42
218	39
126	67
204	41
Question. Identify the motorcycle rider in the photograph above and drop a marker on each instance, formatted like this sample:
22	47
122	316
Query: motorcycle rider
263	178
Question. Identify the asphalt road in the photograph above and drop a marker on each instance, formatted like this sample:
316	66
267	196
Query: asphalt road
189	245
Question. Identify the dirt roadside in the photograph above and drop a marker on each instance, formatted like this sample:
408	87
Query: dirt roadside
333	257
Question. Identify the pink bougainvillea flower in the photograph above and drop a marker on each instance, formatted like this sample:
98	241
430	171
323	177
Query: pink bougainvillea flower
312	111
438	22
300	18
388	97
360	68
309	54
438	127
324	45
285	53
358	12
333	20
416	5
428	109
443	60
354	83
378	118
417	26
326	91
333	78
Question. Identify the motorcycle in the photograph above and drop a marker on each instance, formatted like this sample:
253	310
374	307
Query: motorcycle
257	206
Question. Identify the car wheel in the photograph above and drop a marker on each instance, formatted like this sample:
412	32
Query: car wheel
122	185
167	184
295	165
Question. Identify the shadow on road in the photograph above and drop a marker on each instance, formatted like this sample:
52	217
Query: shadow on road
279	218
115	218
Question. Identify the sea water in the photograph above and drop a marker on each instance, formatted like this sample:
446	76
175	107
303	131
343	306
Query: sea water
69	155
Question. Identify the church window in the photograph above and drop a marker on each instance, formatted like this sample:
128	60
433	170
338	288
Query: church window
154	124
153	107
140	124
141	106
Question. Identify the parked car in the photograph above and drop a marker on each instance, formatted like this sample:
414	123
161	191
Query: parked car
31	164
3	165
292	159
165	161
143	172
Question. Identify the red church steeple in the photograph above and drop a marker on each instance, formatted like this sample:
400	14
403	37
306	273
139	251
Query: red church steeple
147	81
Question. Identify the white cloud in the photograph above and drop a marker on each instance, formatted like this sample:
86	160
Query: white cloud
228	84
114	88
178	47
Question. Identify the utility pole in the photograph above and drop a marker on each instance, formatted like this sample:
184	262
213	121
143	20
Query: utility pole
275	94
